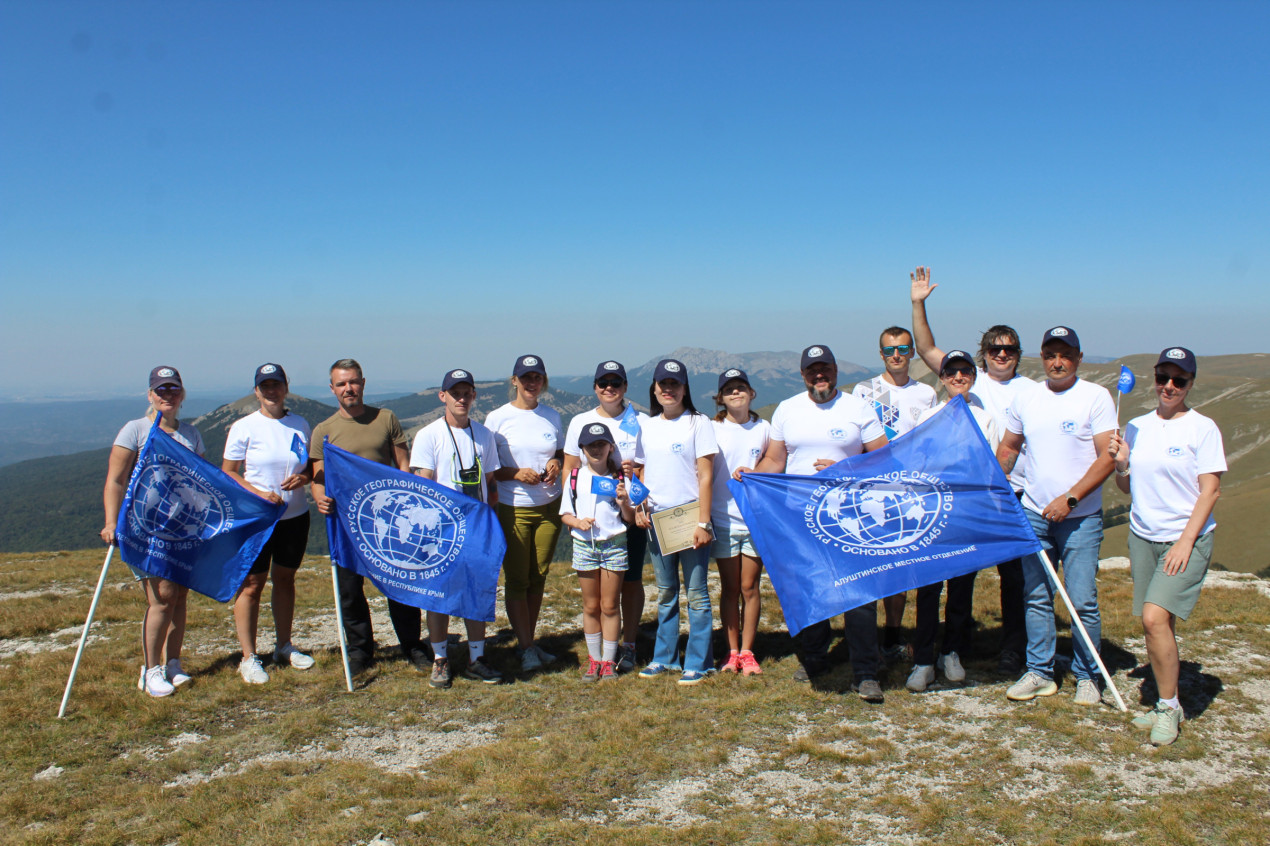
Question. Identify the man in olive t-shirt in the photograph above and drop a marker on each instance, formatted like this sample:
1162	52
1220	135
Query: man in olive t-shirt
374	434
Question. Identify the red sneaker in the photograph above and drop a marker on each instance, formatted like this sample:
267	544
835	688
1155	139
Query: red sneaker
749	664
733	664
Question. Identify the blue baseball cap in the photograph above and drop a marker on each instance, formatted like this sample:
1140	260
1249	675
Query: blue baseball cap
1064	334
816	354
669	368
457	377
164	375
529	364
609	368
268	371
1180	356
593	432
955	355
734	373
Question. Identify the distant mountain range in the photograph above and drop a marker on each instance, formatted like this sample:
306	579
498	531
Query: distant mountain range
54	502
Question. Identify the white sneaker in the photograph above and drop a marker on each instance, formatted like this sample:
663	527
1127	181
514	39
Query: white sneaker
177	676
1030	686
922	675
1087	692
251	670
155	684
290	655
951	665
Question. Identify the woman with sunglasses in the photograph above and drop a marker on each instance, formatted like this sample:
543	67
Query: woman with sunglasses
163	626
957	374
624	421
742	437
677	448
1170	462
530	450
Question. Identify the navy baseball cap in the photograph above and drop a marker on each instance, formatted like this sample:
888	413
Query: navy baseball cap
529	364
163	375
816	354
731	374
669	368
269	371
610	368
457	377
955	355
1180	356
595	432
1064	334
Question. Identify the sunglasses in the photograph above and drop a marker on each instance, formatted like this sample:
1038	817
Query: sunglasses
1008	349
609	383
1178	381
959	371
167	389
902	349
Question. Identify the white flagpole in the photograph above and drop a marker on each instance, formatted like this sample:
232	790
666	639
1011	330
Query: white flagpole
83	638
339	624
1080	627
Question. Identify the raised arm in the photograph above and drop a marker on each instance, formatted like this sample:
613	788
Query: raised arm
920	288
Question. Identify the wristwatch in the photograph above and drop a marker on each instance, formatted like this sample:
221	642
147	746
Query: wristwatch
1072	500
709	527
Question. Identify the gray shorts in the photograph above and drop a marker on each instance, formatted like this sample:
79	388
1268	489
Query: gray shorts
729	543
1175	594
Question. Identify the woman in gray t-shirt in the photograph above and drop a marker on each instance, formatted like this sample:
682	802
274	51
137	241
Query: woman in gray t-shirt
163	626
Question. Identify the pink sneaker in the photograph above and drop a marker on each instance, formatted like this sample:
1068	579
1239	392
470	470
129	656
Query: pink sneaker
749	664
592	671
608	671
733	664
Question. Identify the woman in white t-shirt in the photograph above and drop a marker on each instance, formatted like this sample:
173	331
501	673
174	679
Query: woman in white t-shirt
531	452
677	448
163	627
266	452
1170	462
742	437
957	374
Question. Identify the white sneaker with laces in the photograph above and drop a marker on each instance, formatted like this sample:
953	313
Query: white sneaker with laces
177	676
289	655
1087	692
251	670
155	684
951	665
922	675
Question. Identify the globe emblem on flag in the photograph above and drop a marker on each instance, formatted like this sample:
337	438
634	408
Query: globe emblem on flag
173	505
407	529
881	513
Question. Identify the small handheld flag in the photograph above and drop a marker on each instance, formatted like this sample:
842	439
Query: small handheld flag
638	491
1126	383
605	487
630	421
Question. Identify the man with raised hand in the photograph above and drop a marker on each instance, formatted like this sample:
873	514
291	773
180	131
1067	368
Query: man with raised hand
898	402
374	434
812	431
998	383
1066	424
458	453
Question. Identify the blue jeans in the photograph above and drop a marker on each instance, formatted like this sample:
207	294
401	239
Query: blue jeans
1074	541
695	565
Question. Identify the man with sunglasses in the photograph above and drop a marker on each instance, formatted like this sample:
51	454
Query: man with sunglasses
1067	425
374	434
996	386
898	402
458	453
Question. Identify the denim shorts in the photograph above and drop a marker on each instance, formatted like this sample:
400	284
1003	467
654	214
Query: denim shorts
729	543
600	555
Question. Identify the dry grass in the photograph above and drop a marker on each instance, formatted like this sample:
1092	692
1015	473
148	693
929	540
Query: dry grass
551	760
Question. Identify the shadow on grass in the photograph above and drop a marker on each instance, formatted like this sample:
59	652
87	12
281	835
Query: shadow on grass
1196	689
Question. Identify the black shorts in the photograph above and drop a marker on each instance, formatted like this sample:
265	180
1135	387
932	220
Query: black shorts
285	546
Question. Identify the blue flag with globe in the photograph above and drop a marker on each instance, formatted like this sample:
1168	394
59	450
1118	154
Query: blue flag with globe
422	544
185	520
930	506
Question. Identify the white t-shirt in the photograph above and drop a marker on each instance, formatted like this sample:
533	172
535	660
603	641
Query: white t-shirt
996	398
434	450
1059	429
897	407
669	450
740	445
526	438
134	433
1166	458
605	511
627	442
834	430
271	451
986	424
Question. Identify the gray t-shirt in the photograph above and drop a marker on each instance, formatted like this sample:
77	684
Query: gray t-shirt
134	433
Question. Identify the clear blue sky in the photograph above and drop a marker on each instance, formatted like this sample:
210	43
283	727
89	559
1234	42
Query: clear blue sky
431	185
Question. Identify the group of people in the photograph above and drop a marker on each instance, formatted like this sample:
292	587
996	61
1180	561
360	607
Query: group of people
1057	440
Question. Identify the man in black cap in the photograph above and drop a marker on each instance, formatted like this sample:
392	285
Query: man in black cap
812	431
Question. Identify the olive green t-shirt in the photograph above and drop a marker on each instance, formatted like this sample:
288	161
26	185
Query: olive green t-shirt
370	435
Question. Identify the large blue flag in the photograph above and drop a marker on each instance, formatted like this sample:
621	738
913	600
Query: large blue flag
185	520
932	505
420	543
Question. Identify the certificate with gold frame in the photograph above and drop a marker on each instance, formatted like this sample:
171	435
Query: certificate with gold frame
676	526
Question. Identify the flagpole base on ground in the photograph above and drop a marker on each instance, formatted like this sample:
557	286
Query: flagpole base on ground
339	626
1084	633
83	638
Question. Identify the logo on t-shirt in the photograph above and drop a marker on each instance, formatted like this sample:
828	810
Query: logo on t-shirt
1176	452
895	513
548	436
754	454
677	449
838	434
1068	427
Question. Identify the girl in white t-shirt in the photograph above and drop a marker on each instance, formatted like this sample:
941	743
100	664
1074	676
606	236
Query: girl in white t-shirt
742	437
1170	461
677	448
596	510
